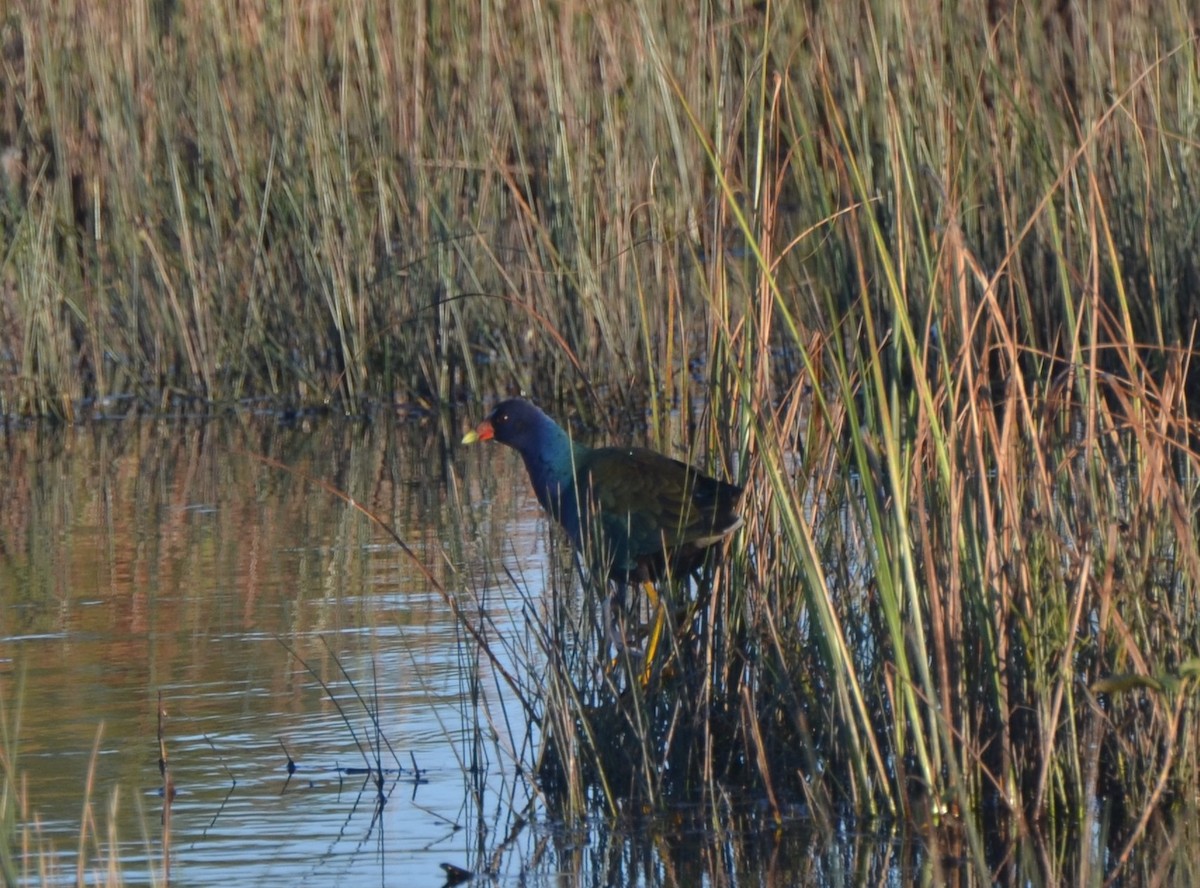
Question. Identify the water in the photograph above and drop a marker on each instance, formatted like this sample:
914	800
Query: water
216	573
211	572
142	561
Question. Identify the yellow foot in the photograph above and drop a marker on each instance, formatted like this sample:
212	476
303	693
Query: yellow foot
660	620
627	654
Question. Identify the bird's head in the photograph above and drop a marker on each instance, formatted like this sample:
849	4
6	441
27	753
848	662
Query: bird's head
515	422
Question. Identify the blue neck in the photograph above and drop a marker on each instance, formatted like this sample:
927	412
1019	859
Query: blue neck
551	466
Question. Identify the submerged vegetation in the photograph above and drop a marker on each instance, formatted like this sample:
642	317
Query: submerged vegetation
924	279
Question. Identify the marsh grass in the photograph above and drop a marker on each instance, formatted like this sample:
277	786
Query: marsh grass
28	855
922	278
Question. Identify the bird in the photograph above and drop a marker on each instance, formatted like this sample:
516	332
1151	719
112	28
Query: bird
640	516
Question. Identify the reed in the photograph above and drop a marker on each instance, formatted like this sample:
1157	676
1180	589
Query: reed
331	205
29	856
970	535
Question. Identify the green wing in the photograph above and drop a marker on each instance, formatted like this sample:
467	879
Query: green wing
650	502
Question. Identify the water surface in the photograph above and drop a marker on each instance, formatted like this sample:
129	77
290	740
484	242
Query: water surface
224	592
209	565
211	572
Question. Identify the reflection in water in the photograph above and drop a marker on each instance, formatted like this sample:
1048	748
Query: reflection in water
146	558
277	621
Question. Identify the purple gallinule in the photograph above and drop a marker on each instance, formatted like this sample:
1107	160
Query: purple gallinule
639	515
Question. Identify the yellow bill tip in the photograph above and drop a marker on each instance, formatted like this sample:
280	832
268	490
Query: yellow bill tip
482	432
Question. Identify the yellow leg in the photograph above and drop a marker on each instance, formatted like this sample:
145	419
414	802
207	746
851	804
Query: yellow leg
660	620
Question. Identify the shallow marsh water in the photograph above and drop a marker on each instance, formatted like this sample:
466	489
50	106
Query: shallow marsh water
142	559
210	568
